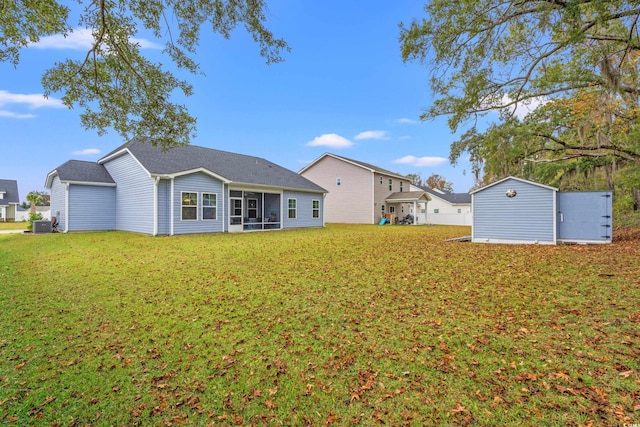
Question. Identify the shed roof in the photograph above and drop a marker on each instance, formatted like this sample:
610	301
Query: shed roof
9	188
515	179
232	167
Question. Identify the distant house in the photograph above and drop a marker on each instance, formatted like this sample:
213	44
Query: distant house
9	200
515	210
445	208
361	193
188	189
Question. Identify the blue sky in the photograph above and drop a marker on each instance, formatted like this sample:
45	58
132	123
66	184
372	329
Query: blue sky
342	89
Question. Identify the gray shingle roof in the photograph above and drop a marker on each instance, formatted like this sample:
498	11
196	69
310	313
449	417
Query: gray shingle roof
237	168
83	171
10	189
453	198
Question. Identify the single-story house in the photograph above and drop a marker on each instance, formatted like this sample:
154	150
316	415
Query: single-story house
445	208
515	210
139	187
361	193
9	200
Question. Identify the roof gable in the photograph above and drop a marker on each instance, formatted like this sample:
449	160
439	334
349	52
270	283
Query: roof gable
227	166
9	190
368	166
514	179
80	171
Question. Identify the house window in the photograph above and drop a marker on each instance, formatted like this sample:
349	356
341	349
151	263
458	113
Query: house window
459	210
338	181
209	206
381	181
292	208
315	208
382	208
401	186
390	184
436	211
392	209
252	208
189	206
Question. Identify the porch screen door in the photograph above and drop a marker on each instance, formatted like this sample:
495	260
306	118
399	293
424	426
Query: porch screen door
235	214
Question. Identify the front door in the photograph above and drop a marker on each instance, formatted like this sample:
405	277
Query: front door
235	215
584	216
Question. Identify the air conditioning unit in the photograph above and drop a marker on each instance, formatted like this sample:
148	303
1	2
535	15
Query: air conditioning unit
41	226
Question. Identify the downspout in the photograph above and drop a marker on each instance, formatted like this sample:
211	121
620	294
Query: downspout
155	206
324	197
224	222
66	207
171	215
555	218
415	212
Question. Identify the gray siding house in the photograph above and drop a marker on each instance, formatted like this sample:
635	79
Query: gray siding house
515	210
361	193
9	199
141	188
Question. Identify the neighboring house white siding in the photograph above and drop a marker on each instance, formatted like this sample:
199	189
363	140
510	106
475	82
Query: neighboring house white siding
529	217
352	200
134	194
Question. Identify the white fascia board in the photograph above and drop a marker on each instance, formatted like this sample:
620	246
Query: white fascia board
516	179
192	171
95	184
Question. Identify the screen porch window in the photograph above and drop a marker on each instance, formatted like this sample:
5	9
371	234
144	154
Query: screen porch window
209	206
292	210
315	208
189	206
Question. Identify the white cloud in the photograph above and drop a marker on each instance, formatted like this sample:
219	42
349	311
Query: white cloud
421	161
371	134
405	121
81	39
86	152
34	100
522	109
332	140
5	113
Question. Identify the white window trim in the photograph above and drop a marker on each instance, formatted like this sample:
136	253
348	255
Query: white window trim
215	218
294	209
313	210
182	205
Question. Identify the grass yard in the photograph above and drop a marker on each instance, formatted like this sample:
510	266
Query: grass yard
13	225
346	325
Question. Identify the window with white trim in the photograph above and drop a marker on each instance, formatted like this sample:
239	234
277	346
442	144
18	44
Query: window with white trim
436	211
189	211
381	181
390	184
292	211
315	208
338	181
401	186
209	206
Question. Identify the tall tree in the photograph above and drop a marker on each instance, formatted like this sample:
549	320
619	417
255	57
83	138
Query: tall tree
114	83
415	178
438	182
576	61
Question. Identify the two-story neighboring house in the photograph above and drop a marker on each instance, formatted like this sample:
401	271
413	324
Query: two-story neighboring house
361	193
9	199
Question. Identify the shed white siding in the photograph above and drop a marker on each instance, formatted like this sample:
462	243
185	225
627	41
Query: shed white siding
529	217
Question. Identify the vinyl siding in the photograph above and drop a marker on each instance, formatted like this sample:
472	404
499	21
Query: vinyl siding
304	217
381	192
350	202
164	206
91	208
58	192
527	218
134	195
197	183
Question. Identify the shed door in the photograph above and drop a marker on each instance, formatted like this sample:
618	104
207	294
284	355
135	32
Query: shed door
584	216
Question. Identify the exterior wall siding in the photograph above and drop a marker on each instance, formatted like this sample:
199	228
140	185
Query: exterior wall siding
58	193
447	213
304	217
134	195
381	192
528	218
197	183
352	200
164	206
92	208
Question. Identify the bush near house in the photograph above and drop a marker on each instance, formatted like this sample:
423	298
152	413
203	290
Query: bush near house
344	325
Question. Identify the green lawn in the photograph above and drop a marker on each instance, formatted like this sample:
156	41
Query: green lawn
13	225
346	325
